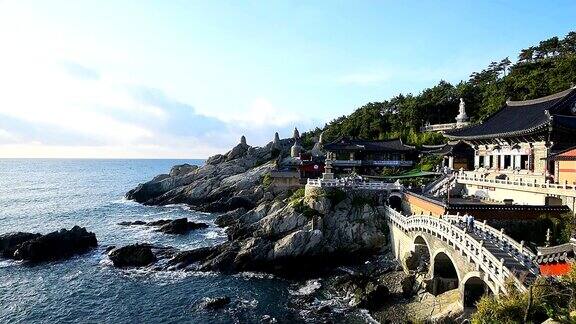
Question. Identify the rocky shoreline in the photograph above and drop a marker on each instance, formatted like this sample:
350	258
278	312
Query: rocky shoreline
339	237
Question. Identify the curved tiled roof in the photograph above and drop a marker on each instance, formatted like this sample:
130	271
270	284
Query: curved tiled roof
516	118
347	144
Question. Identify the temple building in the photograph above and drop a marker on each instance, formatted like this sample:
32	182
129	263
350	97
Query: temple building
517	149
455	155
523	134
348	155
564	165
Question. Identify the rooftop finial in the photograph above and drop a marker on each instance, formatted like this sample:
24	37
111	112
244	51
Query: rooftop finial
243	140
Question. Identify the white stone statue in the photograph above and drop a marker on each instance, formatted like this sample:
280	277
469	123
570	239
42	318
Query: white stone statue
462	117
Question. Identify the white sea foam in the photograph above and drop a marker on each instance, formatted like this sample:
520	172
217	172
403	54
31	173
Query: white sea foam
245	303
215	234
310	287
254	275
8	263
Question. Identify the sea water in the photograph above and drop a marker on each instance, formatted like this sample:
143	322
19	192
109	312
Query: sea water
46	195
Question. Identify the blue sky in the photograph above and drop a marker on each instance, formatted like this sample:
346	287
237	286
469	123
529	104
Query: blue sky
185	79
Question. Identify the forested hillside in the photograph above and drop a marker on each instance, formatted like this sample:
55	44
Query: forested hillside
540	70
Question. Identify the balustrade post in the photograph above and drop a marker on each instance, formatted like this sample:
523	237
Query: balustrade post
484	226
501	270
501	234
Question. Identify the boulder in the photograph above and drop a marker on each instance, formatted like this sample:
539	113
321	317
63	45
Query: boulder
181	226
372	296
230	217
136	255
411	260
407	284
160	222
185	258
56	245
10	242
182	169
215	302
138	222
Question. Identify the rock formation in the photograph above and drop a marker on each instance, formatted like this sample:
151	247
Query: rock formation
176	226
52	246
136	255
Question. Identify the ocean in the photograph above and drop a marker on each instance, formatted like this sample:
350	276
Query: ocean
47	195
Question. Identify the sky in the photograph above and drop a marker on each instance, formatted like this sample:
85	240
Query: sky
185	79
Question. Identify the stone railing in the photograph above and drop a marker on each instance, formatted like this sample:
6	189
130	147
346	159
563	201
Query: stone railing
353	163
447	229
340	183
440	183
441	127
564	189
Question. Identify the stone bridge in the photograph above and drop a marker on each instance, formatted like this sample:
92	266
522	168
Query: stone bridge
477	261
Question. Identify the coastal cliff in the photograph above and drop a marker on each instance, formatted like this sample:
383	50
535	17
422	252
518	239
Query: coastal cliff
269	228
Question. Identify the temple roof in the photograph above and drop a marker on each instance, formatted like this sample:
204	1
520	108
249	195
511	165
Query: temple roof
564	155
348	144
522	118
556	253
445	149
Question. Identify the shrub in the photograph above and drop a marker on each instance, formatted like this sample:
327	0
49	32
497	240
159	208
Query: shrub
336	196
266	180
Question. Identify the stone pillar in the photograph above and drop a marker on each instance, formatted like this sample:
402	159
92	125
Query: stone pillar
502	165
476	161
451	162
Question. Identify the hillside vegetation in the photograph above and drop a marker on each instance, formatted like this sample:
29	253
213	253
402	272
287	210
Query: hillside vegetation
540	70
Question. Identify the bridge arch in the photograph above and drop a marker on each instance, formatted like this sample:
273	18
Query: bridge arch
444	270
423	249
395	200
473	287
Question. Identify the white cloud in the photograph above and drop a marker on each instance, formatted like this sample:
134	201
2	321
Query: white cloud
262	113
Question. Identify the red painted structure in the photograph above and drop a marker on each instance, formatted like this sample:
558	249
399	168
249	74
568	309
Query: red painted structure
556	260
555	269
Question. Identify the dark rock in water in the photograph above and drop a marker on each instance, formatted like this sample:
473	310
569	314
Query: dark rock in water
136	255
215	303
181	226
56	245
366	291
132	223
185	258
168	226
159	222
10	242
373	295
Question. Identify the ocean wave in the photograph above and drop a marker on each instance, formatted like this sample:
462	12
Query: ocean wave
254	275
215	234
308	288
9	263
247	303
125	201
